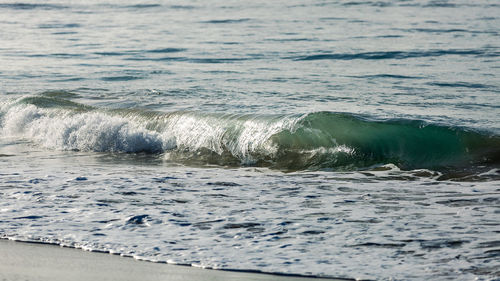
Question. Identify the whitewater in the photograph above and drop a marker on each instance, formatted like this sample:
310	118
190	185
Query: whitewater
356	140
301	142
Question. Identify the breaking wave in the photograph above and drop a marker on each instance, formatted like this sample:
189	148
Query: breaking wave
320	140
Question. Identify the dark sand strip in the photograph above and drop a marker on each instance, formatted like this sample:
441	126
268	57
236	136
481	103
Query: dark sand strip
42	262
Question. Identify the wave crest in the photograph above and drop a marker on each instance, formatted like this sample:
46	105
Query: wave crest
90	131
320	140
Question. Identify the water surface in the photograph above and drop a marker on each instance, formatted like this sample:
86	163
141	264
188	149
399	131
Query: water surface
323	138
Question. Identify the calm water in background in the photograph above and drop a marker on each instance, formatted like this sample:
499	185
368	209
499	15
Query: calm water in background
181	131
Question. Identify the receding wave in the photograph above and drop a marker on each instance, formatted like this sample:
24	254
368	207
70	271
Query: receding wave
320	140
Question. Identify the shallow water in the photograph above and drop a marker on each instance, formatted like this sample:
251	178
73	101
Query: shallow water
324	138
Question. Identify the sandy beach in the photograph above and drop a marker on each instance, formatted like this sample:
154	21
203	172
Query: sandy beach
34	261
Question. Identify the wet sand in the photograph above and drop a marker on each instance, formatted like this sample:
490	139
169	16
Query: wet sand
43	262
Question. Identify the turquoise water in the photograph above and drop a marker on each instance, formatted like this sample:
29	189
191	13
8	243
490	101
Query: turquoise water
323	138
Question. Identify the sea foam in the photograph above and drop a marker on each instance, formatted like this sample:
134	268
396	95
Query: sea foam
89	131
319	140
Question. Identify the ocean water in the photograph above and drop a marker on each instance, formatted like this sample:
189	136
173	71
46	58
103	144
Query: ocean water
352	139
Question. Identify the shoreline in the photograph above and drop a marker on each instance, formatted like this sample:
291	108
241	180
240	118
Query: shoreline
25	260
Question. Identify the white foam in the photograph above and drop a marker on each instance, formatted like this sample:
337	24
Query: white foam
242	137
102	131
92	131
